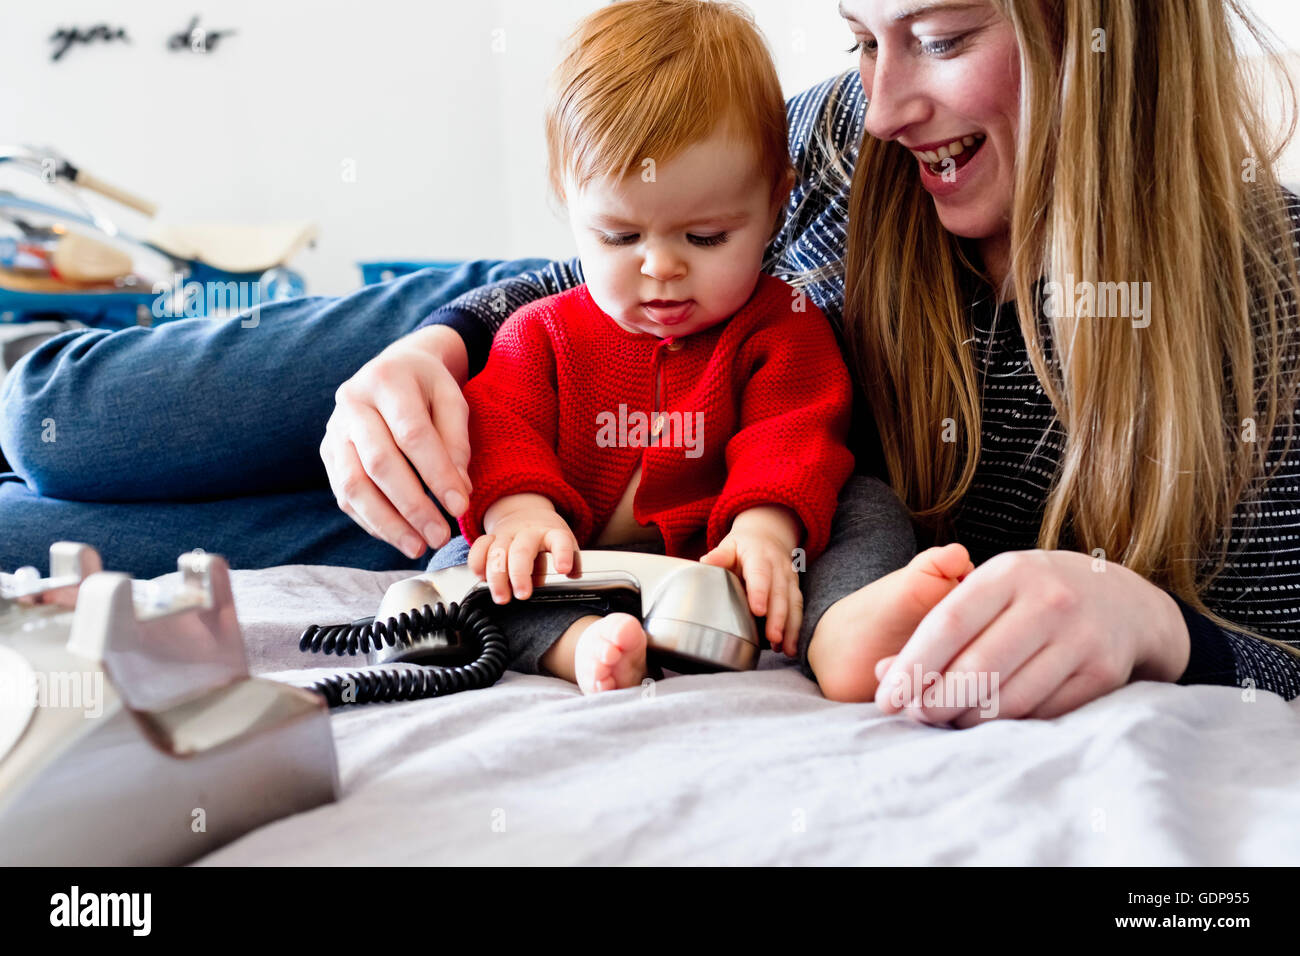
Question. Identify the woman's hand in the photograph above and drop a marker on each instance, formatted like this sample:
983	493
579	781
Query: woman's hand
1048	630
404	407
758	549
516	528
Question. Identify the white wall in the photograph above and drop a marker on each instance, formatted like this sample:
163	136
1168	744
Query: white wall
445	133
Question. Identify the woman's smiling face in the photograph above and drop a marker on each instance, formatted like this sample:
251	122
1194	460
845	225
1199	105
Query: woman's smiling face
942	77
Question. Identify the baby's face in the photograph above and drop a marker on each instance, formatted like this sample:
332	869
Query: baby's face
676	247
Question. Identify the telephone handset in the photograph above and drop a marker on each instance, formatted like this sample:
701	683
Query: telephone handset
696	617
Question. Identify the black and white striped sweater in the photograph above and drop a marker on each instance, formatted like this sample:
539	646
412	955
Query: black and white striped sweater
1021	441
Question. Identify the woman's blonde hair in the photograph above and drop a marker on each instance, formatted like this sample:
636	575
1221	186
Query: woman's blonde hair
645	79
1148	162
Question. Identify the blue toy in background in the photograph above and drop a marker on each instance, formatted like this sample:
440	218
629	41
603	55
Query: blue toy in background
66	262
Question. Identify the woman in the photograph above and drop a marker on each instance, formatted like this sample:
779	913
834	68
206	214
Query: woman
1141	452
1111	479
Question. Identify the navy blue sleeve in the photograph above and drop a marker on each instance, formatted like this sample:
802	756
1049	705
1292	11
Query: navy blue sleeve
1210	660
1219	656
478	314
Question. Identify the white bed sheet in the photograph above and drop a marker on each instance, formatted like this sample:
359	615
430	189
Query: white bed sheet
759	768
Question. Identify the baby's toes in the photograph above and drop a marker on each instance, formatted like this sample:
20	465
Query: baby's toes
624	632
588	668
950	561
931	575
610	654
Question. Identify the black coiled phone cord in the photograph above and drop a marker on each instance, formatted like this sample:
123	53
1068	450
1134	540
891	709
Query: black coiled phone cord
406	681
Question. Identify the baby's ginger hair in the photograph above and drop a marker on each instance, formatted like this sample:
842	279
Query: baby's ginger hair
645	79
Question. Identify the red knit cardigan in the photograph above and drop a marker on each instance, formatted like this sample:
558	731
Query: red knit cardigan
555	412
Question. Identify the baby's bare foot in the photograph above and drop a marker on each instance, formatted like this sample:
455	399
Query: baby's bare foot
876	621
610	654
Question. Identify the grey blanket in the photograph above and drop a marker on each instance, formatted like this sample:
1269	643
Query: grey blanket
759	768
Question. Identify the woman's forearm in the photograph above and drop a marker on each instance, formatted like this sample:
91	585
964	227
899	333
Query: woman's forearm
1170	647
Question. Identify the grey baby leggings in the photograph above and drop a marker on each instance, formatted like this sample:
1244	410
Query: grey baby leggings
871	535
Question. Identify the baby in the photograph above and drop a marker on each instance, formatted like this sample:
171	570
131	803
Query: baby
679	399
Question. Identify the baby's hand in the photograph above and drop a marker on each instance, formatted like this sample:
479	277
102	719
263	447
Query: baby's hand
517	528
759	550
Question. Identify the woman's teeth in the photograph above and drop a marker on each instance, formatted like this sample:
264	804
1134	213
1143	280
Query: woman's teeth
936	157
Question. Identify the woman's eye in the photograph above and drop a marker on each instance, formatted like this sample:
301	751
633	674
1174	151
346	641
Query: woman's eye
717	240
940	47
863	46
622	240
